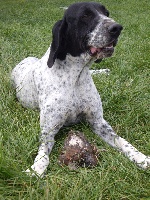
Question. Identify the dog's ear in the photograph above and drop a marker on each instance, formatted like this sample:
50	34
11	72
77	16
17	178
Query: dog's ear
58	41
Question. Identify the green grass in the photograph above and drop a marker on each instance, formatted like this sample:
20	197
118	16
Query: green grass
26	31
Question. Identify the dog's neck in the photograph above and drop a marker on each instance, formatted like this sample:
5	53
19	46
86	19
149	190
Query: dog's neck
71	70
77	62
71	63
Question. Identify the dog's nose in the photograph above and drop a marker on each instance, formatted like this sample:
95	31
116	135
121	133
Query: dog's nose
115	29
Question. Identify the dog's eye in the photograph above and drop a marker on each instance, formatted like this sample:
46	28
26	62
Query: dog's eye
85	16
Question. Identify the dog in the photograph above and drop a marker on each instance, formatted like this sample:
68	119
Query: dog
60	83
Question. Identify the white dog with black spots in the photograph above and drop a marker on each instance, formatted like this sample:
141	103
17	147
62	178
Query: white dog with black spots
60	83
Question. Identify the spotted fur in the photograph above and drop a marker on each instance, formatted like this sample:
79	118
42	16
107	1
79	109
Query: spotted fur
60	83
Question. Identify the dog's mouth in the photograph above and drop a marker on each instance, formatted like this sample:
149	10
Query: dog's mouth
102	52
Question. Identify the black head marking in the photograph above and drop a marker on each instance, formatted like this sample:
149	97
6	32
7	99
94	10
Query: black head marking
70	35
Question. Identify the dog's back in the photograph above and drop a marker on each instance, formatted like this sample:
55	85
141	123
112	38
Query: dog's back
23	82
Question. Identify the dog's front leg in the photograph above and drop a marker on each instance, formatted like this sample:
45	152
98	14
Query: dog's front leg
41	161
50	124
105	131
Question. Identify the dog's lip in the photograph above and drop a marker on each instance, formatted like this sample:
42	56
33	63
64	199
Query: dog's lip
93	51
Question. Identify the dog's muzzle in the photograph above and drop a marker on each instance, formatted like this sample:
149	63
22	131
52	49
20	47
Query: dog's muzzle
113	32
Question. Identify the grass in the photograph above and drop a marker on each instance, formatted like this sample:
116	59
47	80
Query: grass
26	31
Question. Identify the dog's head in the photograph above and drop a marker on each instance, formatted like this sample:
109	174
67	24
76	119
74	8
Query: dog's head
85	28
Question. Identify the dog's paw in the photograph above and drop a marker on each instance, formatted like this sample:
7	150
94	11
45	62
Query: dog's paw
31	173
40	165
145	164
36	171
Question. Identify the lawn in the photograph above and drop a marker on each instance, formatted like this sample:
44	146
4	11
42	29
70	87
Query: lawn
25	27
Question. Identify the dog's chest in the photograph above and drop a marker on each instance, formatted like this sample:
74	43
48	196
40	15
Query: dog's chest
76	109
68	93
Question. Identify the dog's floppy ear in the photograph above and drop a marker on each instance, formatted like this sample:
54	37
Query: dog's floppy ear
58	41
